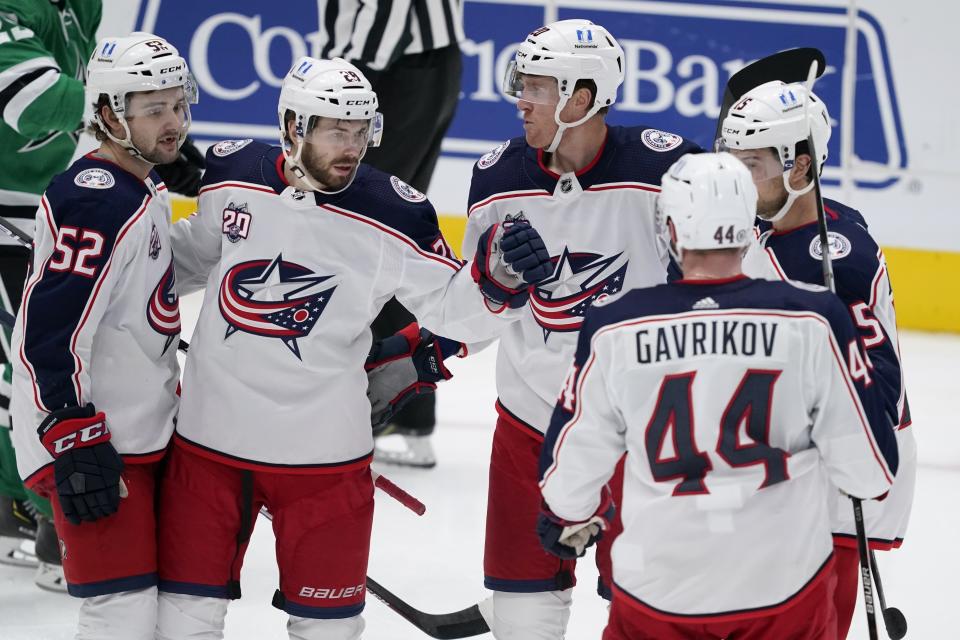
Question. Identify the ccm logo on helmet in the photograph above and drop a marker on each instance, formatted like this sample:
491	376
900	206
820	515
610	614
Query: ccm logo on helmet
358	103
85	434
169	69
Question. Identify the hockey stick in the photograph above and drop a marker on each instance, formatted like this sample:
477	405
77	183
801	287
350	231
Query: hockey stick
893	618
459	624
398	494
791	65
828	281
16	233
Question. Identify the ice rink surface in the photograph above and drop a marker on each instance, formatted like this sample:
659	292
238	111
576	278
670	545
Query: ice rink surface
434	561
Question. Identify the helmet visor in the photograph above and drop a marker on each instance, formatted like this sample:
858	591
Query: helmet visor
339	135
763	164
166	106
529	88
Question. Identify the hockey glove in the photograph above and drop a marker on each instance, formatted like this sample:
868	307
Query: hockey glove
568	539
86	467
403	366
183	174
510	257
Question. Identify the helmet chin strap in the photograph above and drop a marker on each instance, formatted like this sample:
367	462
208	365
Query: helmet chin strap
792	195
563	126
126	142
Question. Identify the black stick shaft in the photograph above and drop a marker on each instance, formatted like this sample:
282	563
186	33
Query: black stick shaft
865	569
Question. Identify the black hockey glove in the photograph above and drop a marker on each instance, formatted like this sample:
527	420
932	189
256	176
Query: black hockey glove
402	366
510	257
86	467
183	174
569	539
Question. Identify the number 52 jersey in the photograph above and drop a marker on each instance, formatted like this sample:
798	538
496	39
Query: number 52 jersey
100	318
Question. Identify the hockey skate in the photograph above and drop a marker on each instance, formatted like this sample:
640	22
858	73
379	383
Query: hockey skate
405	450
49	575
17	552
18	529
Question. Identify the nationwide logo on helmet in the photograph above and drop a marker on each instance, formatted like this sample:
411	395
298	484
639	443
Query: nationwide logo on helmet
560	302
274	299
163	310
789	101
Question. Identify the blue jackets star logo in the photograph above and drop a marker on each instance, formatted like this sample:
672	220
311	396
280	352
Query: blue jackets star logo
560	302
274	299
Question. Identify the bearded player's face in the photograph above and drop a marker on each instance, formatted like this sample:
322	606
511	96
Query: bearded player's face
332	151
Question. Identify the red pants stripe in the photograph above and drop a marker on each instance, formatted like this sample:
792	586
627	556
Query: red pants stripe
811	617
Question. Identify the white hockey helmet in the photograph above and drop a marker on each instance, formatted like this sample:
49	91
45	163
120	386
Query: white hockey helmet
138	62
711	200
316	88
568	50
777	115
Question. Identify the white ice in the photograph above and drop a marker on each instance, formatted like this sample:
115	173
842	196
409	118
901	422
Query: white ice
434	562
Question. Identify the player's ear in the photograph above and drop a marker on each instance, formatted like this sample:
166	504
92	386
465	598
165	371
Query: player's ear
112	121
800	174
292	131
582	98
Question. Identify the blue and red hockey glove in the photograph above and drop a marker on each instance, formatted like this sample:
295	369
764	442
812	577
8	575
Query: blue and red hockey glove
402	366
569	539
86	467
510	257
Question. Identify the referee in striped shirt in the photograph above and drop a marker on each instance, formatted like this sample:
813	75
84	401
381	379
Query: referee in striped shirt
410	52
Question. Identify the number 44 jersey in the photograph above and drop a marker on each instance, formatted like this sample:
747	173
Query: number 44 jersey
736	400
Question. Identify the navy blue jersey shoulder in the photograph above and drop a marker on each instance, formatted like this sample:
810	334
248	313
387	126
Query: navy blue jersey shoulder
834	210
500	171
641	154
855	254
844	212
629	154
242	161
391	202
95	194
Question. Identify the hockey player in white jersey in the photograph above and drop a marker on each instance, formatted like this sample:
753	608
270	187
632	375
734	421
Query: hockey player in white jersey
589	189
95	379
299	247
768	129
763	395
